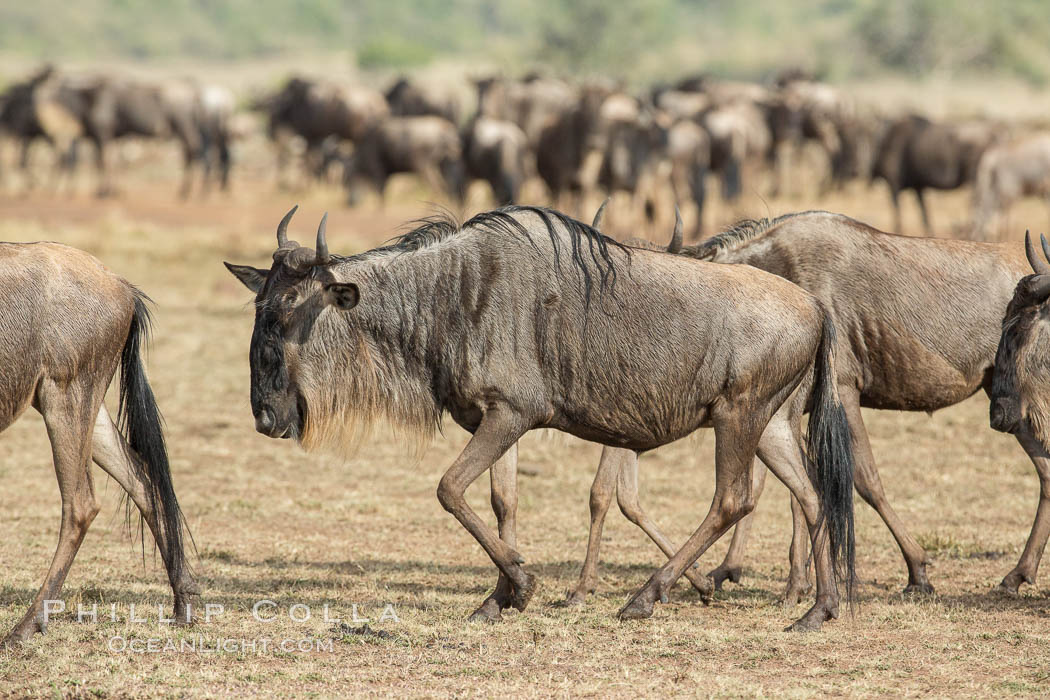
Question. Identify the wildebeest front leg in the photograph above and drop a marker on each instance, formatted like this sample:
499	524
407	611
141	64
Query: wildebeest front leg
618	470
1028	565
110	451
504	498
499	429
736	439
69	431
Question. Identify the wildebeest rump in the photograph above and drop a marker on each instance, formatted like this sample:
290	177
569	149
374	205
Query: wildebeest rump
427	146
918	324
522	318
66	326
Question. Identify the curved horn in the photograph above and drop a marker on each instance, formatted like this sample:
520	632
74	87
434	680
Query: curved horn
675	246
1039	266
322	244
1038	290
1046	246
599	215
282	228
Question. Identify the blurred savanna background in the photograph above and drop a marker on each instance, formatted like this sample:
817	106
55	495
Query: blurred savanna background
727	109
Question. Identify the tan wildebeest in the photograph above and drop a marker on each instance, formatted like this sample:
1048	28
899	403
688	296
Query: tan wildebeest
68	325
919	323
523	318
1007	172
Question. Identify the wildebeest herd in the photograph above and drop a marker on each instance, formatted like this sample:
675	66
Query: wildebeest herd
525	318
593	136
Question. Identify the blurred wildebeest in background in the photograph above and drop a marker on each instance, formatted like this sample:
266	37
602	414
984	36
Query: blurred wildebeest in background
412	99
42	107
317	112
497	151
917	154
1007	172
426	146
69	326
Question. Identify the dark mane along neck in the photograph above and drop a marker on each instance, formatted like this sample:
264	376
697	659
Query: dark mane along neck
738	235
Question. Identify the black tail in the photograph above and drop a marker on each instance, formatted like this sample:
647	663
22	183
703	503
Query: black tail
140	422
830	452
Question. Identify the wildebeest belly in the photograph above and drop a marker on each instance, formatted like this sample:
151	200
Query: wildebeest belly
905	375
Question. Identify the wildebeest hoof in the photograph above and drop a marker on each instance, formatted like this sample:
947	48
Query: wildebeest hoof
1012	583
523	594
488	612
639	607
722	573
794	594
918	589
573	599
813	620
22	633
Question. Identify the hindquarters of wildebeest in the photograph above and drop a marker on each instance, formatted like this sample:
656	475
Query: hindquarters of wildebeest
63	314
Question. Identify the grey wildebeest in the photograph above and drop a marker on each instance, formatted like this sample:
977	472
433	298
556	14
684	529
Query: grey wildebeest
427	146
523	318
1006	173
317	112
917	154
919	323
497	151
61	362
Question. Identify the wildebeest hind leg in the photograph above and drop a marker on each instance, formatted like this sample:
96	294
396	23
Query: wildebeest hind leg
500	428
798	584
109	450
504	497
1028	565
781	450
869	486
732	565
69	425
736	438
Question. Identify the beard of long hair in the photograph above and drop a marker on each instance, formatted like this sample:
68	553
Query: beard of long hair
348	396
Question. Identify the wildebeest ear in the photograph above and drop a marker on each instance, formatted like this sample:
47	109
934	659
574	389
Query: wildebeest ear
251	277
342	295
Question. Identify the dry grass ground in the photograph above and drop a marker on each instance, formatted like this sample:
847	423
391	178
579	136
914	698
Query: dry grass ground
272	523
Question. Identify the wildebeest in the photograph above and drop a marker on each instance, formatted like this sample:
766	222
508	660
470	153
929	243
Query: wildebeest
917	154
316	111
918	324
531	103
523	318
497	151
1006	173
45	106
411	99
68	325
427	146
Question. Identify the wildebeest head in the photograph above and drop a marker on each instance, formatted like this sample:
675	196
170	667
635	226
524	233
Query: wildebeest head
1021	377
289	298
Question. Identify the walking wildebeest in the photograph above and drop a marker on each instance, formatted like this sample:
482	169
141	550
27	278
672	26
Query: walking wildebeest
918	322
917	154
68	325
1006	173
523	318
427	146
